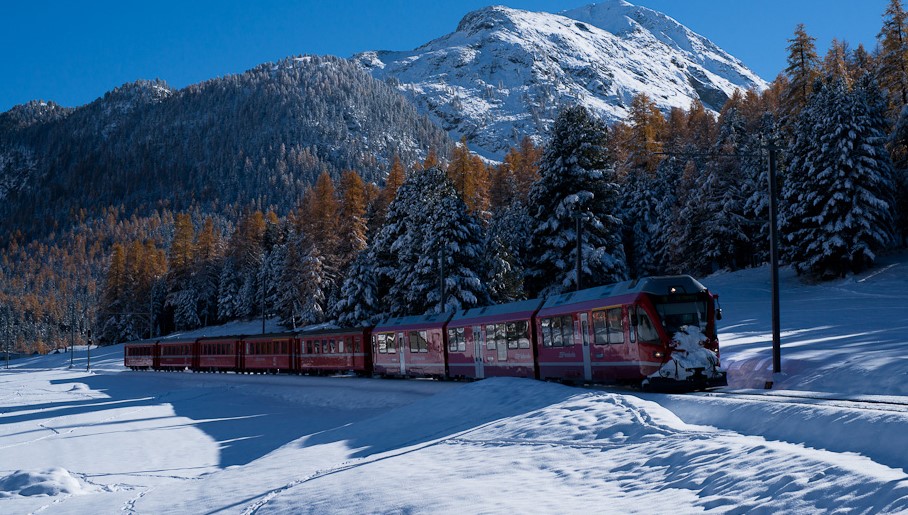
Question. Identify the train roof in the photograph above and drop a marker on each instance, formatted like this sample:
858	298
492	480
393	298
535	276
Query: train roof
662	285
414	322
316	331
511	310
147	341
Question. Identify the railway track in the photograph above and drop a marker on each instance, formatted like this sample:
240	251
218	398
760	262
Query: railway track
817	399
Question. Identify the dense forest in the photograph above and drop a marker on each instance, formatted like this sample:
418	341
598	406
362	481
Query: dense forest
679	192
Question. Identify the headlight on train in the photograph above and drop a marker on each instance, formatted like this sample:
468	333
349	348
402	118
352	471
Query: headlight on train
658	354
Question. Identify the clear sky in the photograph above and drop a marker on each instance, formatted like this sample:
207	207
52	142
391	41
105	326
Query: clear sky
73	52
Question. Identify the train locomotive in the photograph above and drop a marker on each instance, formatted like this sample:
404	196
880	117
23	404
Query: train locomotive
655	332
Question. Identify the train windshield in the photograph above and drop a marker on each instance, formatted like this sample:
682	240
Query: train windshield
682	312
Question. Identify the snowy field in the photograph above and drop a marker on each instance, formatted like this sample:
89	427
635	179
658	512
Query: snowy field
831	436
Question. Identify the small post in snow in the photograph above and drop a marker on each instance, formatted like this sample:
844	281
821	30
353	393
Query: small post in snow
774	259
88	363
579	264
6	312
72	332
441	285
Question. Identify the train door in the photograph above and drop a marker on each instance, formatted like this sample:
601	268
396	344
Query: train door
402	346
478	348
585	338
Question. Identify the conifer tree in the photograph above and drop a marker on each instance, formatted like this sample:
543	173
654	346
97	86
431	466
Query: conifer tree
803	69
470	177
838	192
238	282
352	217
208	255
647	125
377	209
893	58
576	180
860	62
182	245
449	233
524	164
301	297
358	302
836	61
506	240
638	207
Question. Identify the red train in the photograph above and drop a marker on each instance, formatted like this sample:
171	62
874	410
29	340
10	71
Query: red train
659	332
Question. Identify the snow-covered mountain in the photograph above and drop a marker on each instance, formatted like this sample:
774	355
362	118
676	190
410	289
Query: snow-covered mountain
505	72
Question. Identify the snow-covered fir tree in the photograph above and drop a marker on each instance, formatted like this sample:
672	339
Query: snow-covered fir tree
723	235
506	238
638	208
399	273
576	180
837	194
358	303
184	304
665	191
301	298
452	234
755	187
436	225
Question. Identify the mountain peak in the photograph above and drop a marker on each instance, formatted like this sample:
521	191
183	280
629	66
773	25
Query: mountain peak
504	73
487	18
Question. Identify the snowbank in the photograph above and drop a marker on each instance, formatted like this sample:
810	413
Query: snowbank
49	482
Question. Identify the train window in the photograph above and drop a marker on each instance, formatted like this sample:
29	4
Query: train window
600	328
645	330
392	344
546	332
340	345
418	341
501	336
357	344
490	337
456	340
381	344
331	345
452	340
567	330
523	334
512	335
674	315
615	326
557	336
308	347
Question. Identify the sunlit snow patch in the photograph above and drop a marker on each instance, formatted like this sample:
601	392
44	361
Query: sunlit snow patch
689	362
49	482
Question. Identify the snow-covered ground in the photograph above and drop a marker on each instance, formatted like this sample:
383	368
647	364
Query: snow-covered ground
832	435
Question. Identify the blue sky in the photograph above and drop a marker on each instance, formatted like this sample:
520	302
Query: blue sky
73	52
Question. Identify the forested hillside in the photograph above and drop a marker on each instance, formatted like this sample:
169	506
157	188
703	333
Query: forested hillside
257	138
